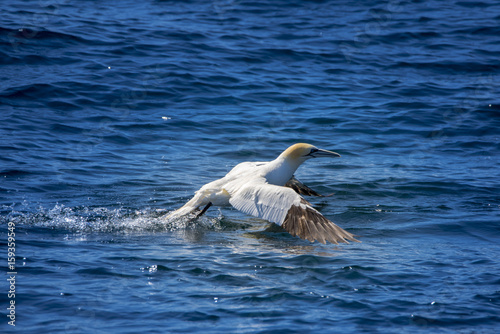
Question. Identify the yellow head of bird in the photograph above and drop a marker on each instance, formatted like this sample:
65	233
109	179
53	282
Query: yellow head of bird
302	151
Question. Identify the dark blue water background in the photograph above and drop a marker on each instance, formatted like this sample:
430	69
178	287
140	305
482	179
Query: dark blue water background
114	113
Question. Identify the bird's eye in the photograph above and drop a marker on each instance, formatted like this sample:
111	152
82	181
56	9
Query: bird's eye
313	150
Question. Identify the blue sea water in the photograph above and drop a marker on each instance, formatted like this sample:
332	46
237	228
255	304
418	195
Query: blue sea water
113	113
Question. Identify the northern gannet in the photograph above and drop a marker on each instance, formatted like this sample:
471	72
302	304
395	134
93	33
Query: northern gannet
269	190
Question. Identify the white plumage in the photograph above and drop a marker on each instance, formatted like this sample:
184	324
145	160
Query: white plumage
268	190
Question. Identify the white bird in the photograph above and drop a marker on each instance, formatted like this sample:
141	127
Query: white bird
269	190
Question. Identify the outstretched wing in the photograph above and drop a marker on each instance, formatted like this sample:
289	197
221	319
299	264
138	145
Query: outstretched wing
283	206
301	188
306	222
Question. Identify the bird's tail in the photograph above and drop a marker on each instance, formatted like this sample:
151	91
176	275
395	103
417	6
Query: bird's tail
190	207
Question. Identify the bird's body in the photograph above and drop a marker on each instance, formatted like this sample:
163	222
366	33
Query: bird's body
264	189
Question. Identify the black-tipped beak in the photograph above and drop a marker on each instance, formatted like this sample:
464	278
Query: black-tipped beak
324	154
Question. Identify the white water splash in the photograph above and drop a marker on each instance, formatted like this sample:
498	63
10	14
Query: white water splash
99	219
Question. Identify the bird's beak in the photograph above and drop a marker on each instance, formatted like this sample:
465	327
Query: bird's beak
325	154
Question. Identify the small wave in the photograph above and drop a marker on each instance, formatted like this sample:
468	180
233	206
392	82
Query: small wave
406	36
14	173
38	91
28	33
448	66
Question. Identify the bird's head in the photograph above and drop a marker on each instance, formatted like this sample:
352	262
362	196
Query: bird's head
302	152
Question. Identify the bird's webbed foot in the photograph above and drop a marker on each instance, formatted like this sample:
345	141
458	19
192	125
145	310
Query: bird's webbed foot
204	210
